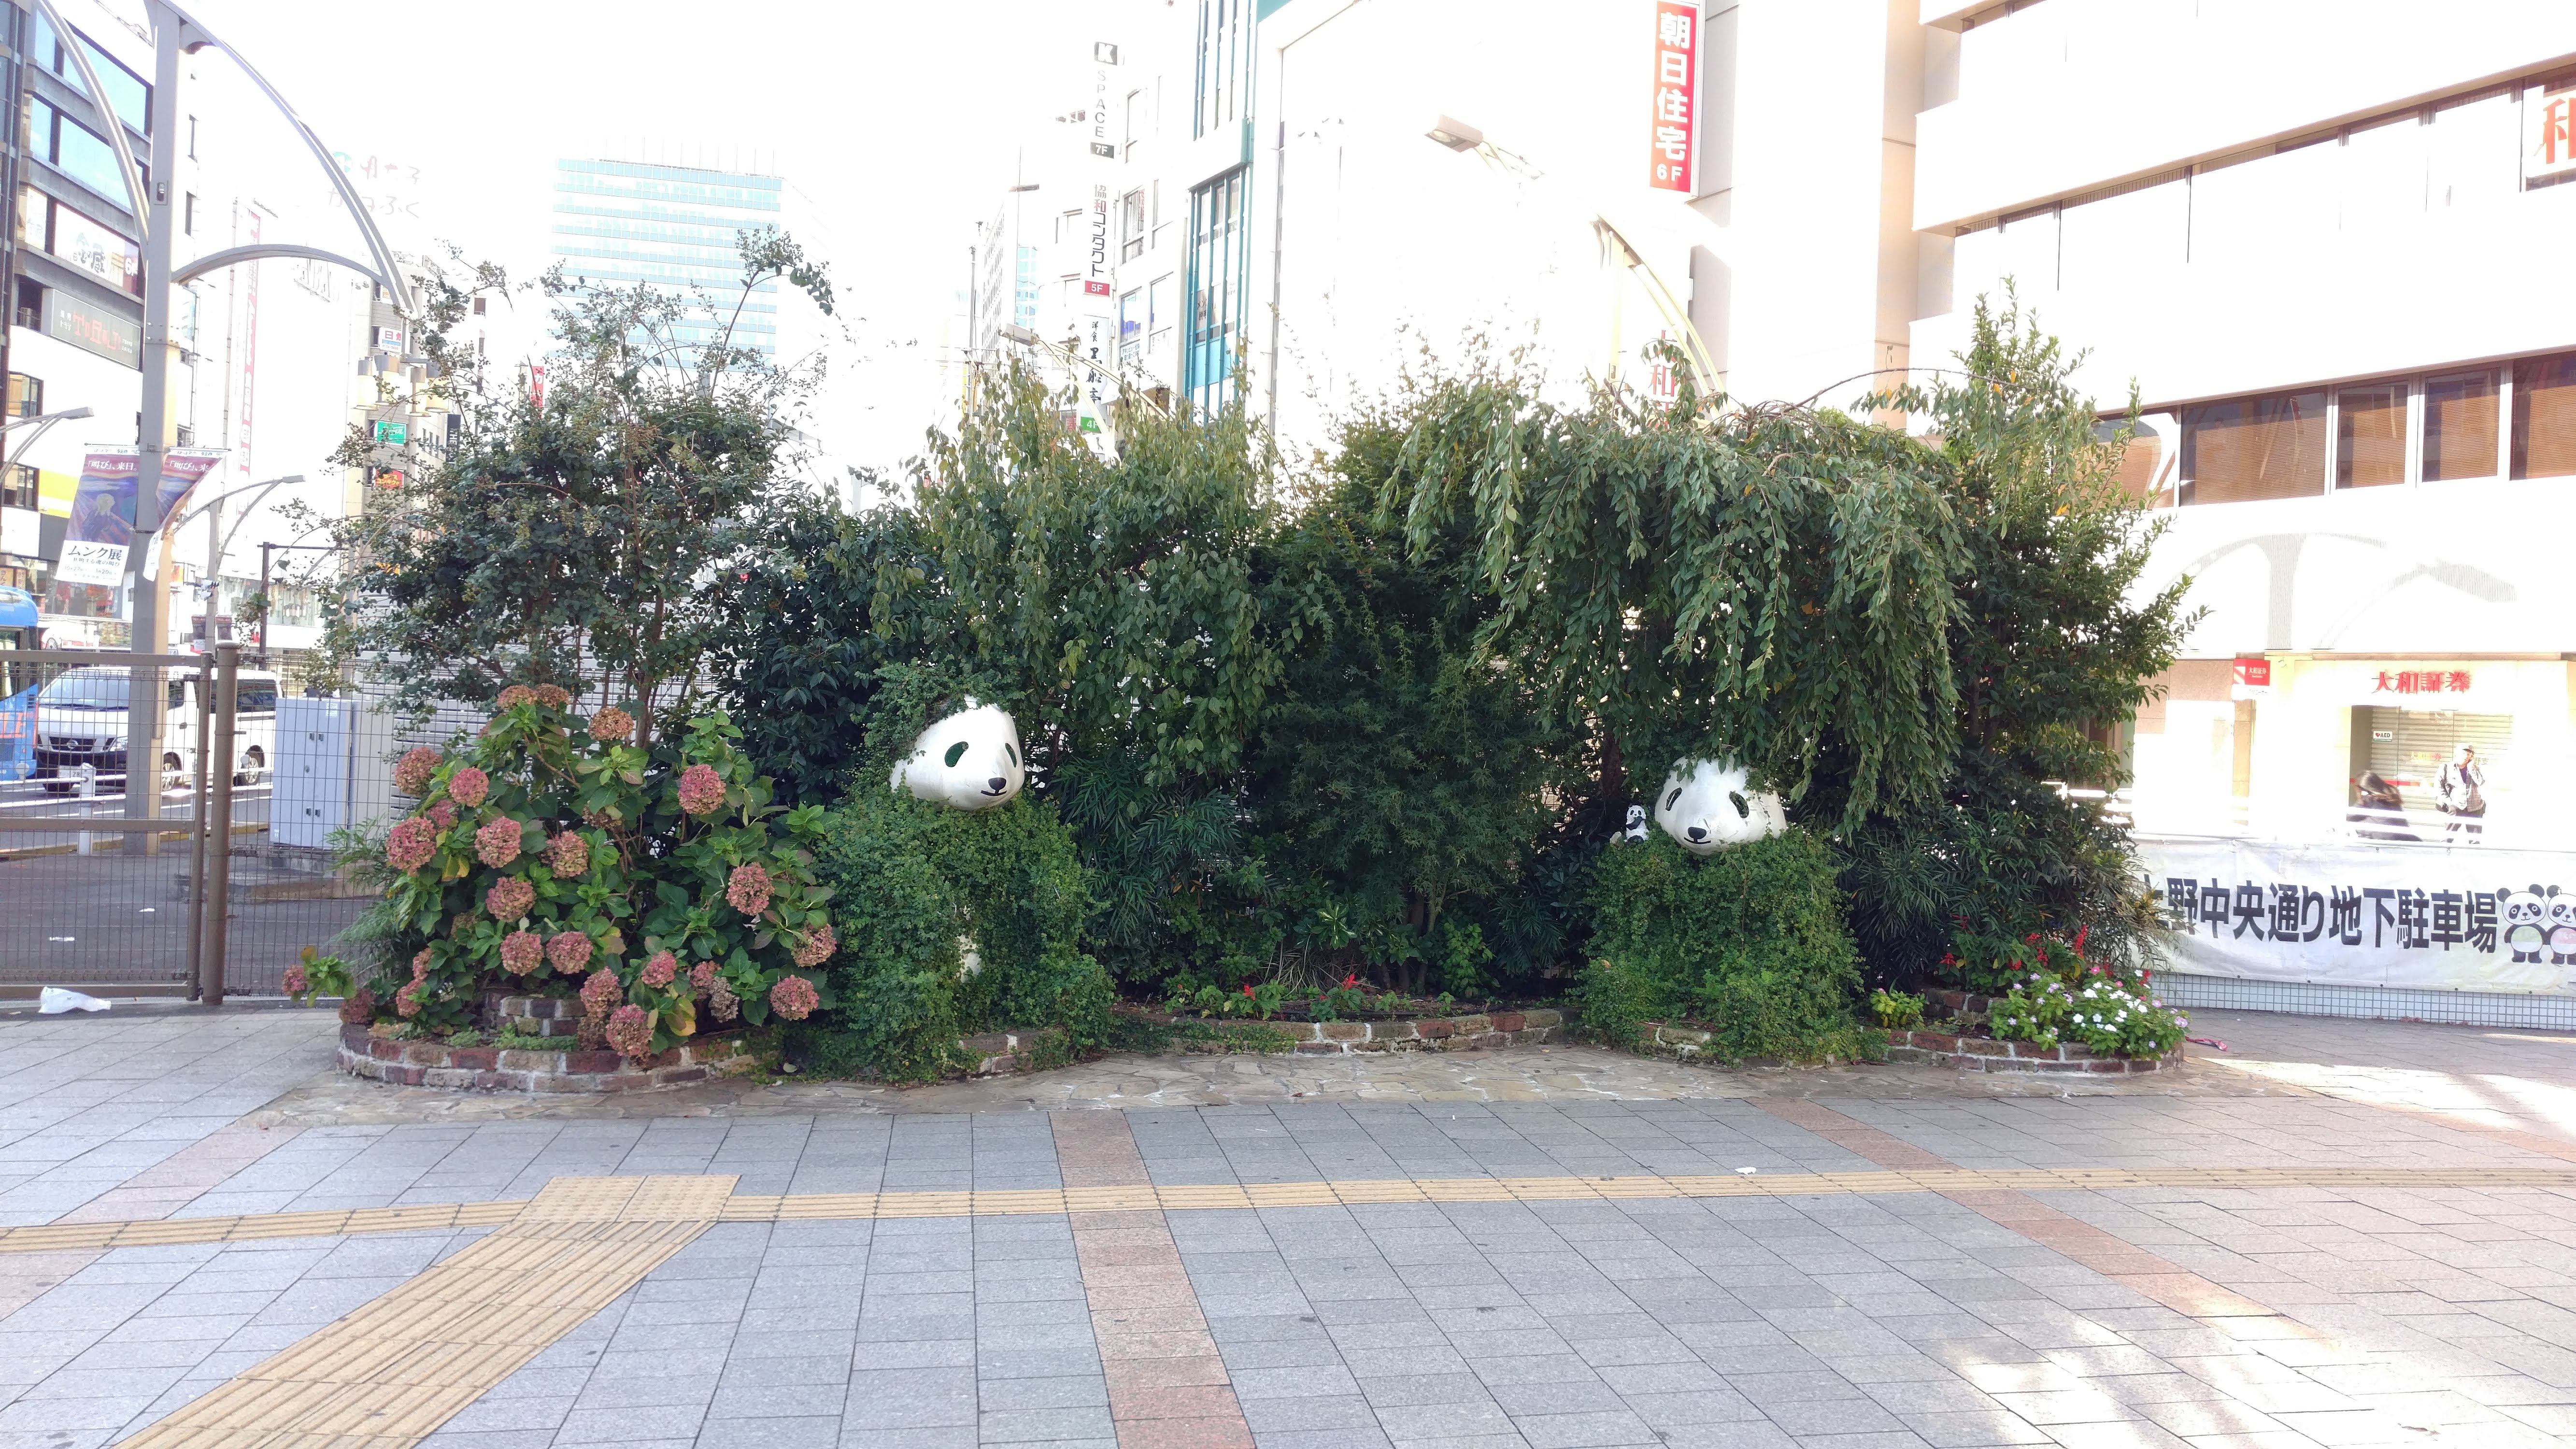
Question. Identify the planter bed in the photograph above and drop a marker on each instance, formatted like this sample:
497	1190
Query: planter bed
492	1069
1470	1032
1974	1051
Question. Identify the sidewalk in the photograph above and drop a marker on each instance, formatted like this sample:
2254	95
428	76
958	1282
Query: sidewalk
2337	1233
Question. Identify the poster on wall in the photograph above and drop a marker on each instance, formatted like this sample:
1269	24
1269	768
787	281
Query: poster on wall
2466	918
101	532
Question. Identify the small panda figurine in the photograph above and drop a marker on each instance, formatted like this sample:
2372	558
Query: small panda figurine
1708	806
969	761
2562	928
2525	915
1634	832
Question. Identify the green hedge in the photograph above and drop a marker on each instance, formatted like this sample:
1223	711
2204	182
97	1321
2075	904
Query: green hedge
1749	941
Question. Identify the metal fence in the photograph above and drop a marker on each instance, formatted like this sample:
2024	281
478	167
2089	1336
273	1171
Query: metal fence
128	894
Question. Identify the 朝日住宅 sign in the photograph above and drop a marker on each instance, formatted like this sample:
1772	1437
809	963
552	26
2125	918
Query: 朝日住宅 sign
2422	916
2550	141
1675	94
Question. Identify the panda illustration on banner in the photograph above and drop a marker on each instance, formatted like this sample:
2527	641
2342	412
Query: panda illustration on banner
2527	920
1707	806
2562	928
968	761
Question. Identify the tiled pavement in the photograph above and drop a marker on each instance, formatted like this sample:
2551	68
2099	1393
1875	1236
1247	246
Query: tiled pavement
2421	1315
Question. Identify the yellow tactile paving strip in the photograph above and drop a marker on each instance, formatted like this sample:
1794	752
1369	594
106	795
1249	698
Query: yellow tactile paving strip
405	1363
556	1206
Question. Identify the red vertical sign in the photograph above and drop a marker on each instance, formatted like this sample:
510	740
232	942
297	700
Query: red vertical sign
1676	94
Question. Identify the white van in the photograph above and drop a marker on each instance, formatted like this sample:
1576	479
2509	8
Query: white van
80	720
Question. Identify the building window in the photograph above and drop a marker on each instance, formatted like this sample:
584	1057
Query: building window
18	487
76	151
1134	114
1131	328
2544	417
2460	426
2254	447
1162	311
1131	226
1224	64
188	222
2370	435
26	396
192	138
1217	282
126	91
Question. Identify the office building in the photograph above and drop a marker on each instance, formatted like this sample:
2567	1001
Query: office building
618	224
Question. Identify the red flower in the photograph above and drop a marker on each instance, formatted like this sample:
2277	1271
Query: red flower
1247	988
2079	938
1354	979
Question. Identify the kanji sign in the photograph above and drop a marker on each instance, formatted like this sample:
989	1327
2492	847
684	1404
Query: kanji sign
2421	681
1675	94
2465	919
2550	151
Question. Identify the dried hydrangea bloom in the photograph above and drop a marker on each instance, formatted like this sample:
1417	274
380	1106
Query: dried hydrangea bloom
510	897
702	977
611	725
468	786
294	982
420	964
601	992
411	844
418	766
497	844
662	969
722	1001
568	855
522	952
512	695
817	947
552	696
570	951
407	1000
702	790
747	889
629	1032
794	998
443	814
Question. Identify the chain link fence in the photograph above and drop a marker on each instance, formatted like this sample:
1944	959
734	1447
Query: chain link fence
120	892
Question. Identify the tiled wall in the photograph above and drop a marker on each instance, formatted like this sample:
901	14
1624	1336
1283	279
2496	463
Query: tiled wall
2470	1008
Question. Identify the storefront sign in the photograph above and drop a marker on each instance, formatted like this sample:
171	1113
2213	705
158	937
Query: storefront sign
2468	918
92	328
2551	148
97	249
1676	96
2253	679
2422	681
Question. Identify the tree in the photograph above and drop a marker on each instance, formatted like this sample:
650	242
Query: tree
581	540
2053	649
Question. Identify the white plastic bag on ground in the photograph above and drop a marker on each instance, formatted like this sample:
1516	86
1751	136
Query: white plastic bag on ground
53	1001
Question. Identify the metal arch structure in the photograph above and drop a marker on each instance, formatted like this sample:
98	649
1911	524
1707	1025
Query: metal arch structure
217	261
196	36
1616	247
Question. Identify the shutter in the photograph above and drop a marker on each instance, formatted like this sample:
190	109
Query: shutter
2420	743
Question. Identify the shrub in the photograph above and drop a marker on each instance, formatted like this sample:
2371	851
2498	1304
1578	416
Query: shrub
1896	1010
2054	992
541	852
1749	942
920	883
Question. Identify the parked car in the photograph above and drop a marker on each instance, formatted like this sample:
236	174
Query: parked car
81	720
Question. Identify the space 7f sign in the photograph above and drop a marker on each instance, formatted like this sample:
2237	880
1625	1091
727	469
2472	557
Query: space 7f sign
1676	96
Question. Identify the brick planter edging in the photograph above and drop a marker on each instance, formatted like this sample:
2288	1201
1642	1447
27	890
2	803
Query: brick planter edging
1415	1034
1985	1054
490	1069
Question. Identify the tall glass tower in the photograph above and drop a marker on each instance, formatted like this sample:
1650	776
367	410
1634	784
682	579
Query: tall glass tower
618	223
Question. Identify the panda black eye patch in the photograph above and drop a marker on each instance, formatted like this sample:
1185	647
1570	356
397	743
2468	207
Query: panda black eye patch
1671	798
1742	811
956	752
1011	750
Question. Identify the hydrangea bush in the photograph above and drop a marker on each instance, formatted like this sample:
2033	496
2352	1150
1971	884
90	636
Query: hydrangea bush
663	884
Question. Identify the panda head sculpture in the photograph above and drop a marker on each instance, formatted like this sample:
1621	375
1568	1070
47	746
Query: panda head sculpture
1708	806
970	760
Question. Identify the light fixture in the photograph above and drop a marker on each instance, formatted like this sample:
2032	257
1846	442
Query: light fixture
1455	134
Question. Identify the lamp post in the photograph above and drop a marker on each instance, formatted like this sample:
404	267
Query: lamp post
175	32
219	541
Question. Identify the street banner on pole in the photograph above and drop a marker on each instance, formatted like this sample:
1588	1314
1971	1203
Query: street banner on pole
101	532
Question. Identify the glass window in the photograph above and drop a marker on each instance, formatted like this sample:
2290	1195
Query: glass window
1160	315
83	155
1131	328
1225	63
2460	426
1131	226
2255	447
2140	460
125	90
26	395
2370	436
255	696
2544	417
1217	279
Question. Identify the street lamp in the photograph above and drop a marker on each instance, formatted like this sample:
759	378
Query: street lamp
43	422
218	546
175	32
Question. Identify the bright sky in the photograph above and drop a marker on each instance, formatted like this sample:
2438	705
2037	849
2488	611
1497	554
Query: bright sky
895	122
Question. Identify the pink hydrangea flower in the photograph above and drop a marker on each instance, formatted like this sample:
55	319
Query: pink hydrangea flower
443	814
601	992
662	969
747	890
702	790
294	982
703	975
611	725
629	1032
407	1000
510	897
411	844
522	952
794	998
568	855
468	786
817	947
418	767
512	695
552	696
569	951
497	844
420	964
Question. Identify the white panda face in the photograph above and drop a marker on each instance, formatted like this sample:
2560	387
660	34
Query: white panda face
1707	806
970	761
2562	911
2524	908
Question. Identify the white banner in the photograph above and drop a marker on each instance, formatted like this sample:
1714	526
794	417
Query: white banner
2442	918
88	562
